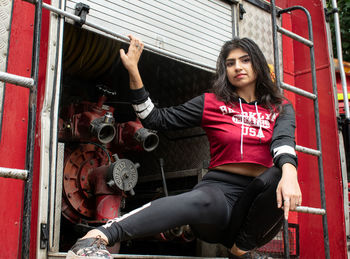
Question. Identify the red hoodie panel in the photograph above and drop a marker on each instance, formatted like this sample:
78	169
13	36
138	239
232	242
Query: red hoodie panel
234	142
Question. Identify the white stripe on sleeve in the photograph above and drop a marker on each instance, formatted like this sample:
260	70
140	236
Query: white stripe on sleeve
145	113
284	150
142	106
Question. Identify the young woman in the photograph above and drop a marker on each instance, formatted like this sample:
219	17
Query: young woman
252	181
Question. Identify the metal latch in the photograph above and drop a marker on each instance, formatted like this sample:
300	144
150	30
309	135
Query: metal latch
241	11
44	236
81	10
328	13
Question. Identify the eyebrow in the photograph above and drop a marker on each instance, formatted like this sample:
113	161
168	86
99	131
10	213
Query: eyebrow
232	59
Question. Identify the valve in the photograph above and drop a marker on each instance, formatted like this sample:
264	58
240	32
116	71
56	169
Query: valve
103	128
122	174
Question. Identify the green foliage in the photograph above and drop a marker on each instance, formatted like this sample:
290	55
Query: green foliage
344	21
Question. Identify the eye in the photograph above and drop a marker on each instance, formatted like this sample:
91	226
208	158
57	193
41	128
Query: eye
229	64
246	60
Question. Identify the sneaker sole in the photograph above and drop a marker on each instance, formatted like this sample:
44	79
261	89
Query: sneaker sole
72	255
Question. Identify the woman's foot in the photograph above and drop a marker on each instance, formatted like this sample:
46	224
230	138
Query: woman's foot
89	248
237	252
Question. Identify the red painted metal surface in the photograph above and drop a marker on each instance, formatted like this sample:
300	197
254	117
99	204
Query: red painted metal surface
296	71
14	129
40	100
311	234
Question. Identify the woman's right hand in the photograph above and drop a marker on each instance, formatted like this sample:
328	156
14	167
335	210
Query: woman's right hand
130	61
132	57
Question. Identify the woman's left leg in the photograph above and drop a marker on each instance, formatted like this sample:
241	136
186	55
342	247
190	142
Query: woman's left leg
256	218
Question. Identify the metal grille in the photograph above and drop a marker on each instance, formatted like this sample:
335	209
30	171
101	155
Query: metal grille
275	247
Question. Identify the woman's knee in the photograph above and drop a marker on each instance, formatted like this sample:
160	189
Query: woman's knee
268	179
201	198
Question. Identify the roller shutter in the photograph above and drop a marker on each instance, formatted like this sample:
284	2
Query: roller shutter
195	29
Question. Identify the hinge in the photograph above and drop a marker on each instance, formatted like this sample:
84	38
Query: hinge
81	10
328	13
44	236
241	11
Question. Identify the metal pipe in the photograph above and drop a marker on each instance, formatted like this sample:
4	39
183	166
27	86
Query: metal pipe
275	44
340	60
278	84
298	91
126	39
310	210
161	163
307	150
286	239
318	137
27	199
295	36
13	173
17	80
316	106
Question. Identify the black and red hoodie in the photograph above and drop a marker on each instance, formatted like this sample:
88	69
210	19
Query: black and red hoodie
240	132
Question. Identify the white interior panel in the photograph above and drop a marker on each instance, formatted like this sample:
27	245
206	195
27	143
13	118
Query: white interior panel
194	29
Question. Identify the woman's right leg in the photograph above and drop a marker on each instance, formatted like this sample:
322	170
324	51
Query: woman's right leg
204	205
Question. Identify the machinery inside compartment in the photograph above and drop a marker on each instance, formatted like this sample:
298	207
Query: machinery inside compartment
111	163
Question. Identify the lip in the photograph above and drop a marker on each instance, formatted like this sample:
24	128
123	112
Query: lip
240	76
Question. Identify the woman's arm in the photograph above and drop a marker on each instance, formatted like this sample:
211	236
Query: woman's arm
130	61
283	151
186	115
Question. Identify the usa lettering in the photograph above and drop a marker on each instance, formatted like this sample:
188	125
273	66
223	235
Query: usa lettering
253	132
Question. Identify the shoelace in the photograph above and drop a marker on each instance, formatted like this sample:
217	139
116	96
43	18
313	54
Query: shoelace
99	242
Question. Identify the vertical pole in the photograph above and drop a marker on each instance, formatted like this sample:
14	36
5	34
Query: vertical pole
278	84
340	60
286	239
275	44
27	200
318	138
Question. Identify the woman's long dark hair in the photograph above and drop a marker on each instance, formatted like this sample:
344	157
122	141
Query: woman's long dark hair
266	91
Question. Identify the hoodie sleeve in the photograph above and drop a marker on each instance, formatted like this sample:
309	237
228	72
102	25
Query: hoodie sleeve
283	139
182	116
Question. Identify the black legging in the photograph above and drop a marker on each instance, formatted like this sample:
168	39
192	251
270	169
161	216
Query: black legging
222	208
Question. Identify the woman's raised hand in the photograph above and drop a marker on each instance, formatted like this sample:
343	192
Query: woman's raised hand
130	61
132	57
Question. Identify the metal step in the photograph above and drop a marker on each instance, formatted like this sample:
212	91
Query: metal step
299	91
310	210
307	150
13	173
63	255
295	36
17	80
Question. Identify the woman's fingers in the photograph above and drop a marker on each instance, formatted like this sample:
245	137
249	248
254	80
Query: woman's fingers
290	202
135	43
279	197
131	58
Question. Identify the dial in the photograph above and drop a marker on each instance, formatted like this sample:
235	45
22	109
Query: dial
125	174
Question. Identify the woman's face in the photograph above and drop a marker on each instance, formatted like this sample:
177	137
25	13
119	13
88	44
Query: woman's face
239	69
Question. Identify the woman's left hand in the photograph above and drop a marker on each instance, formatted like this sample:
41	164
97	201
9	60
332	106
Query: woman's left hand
288	189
